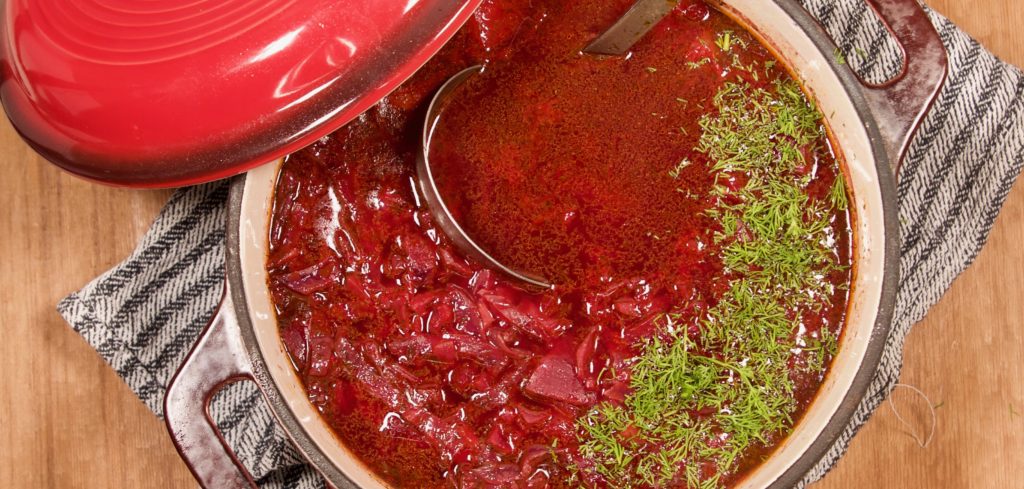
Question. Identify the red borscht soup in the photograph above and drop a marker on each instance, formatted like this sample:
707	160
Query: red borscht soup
684	201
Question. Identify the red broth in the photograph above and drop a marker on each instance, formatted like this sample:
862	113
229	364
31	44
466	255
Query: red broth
437	372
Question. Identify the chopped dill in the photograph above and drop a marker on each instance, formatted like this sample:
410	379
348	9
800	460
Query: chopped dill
738	64
674	173
726	40
693	65
837	195
709	397
839	56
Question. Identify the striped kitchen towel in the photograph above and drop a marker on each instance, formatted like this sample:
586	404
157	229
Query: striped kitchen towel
144	315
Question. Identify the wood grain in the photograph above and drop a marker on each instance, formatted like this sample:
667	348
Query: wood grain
67	421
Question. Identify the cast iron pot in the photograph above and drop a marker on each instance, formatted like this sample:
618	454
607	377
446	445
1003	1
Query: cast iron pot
871	125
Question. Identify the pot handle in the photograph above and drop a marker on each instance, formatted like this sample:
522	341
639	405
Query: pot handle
900	105
217	360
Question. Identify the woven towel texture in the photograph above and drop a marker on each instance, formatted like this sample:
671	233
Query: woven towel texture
144	315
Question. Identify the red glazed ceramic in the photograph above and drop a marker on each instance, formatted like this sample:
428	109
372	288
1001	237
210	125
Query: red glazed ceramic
164	93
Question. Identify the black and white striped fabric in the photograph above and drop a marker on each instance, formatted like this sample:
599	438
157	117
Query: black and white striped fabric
144	315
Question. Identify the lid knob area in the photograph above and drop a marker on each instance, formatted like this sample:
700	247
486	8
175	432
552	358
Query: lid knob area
165	93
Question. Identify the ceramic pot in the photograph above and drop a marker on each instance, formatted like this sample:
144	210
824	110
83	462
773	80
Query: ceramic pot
871	125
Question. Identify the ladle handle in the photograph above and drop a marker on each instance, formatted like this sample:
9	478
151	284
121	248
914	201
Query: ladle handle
217	360
631	27
900	104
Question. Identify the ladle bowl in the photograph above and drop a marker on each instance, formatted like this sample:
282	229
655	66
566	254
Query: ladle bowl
432	195
615	41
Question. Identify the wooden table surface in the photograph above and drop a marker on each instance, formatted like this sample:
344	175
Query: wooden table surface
67	421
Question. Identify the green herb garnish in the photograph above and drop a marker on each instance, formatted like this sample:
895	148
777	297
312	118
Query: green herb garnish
724	40
838	194
674	173
693	65
839	56
708	398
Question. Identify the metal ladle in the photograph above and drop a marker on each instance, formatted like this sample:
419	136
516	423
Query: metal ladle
615	41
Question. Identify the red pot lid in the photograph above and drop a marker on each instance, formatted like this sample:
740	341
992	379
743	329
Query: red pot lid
168	92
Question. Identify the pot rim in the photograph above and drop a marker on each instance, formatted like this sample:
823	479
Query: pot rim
824	440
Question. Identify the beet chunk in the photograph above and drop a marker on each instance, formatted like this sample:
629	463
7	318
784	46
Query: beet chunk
555	380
